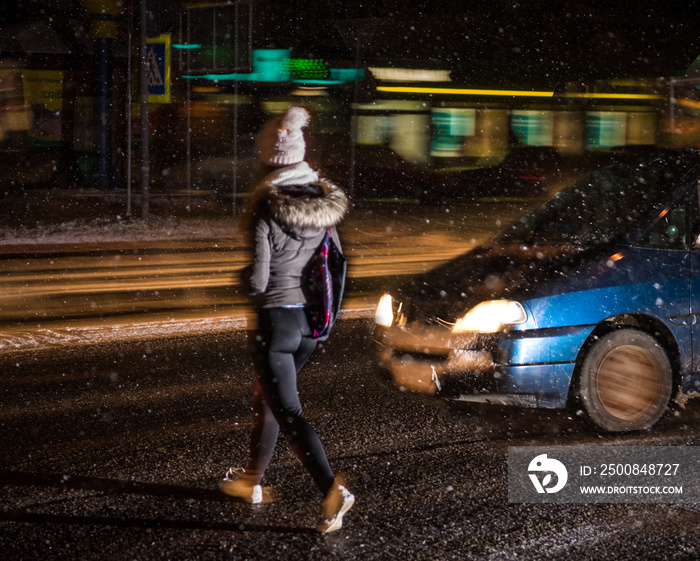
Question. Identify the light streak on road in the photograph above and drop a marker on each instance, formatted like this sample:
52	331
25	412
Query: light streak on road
76	286
85	292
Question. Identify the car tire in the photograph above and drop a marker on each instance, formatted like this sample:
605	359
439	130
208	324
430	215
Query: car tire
625	381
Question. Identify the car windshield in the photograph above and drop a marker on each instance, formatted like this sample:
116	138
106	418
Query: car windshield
602	206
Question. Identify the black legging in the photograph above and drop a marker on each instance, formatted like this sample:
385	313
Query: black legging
282	345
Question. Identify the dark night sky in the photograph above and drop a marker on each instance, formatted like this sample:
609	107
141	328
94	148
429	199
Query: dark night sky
532	42
537	42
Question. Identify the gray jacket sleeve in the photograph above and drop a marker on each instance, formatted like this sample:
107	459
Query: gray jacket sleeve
261	257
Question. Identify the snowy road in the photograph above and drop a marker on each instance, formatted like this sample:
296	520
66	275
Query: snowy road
113	451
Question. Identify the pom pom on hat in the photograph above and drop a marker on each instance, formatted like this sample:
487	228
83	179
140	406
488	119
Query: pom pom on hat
295	117
280	142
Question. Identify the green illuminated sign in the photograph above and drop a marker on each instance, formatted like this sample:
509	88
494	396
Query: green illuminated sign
276	65
308	68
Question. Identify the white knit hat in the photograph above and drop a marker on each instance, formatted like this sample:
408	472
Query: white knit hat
280	142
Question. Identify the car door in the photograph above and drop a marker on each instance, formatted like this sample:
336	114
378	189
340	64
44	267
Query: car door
674	262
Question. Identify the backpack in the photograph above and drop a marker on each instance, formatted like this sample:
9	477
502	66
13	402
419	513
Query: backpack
325	283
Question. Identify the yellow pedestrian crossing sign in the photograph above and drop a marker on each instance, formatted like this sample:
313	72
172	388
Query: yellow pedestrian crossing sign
155	72
158	65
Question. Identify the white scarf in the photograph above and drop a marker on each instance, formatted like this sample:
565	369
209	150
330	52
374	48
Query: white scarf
296	174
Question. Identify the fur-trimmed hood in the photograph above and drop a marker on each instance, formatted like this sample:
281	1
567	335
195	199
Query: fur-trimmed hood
298	200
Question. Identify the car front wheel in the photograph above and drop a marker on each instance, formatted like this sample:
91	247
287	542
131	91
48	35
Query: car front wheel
625	381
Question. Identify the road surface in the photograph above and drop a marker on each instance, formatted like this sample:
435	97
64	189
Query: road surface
113	452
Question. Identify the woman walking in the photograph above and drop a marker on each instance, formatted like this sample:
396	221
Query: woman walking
289	212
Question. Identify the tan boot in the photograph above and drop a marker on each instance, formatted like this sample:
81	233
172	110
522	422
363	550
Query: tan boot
241	485
338	501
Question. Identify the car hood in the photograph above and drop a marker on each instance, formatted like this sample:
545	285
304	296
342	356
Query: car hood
512	271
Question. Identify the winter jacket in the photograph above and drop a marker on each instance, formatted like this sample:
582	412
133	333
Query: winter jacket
290	211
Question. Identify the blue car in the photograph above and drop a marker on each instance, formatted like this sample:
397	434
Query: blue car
590	301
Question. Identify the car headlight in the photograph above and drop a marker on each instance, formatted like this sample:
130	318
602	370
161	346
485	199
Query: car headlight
384	315
490	316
